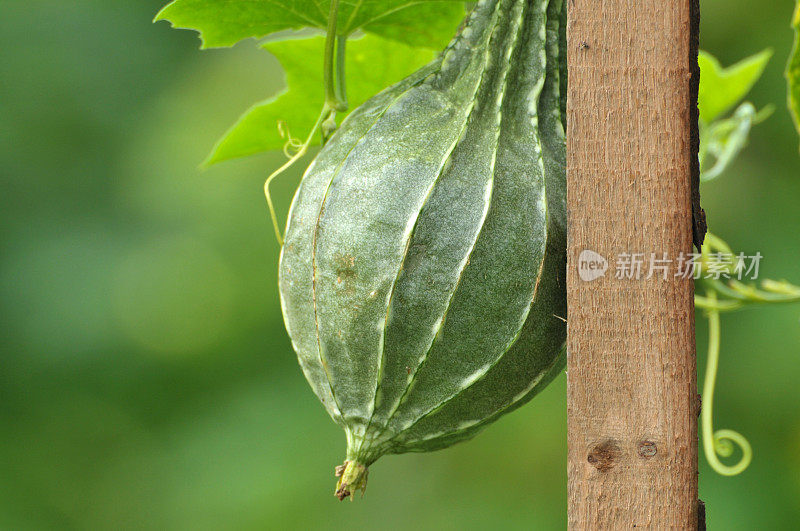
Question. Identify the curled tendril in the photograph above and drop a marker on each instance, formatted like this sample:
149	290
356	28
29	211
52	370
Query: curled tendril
335	100
301	150
292	145
720	442
724	296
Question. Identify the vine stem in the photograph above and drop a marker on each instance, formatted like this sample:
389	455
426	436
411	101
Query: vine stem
332	99
340	87
335	100
720	442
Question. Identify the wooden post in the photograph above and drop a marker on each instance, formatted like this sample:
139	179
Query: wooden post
632	394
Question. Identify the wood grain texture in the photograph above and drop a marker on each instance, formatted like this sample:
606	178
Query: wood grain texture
632	395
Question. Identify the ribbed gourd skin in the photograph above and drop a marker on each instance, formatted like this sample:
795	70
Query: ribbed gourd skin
422	277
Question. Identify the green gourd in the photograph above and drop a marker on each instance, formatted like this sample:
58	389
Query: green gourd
422	277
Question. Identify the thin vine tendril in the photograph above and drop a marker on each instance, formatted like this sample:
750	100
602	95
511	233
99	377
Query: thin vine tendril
335	100
292	144
725	293
720	442
287	165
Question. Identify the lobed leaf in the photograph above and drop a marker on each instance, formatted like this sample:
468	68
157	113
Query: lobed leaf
722	88
426	23
373	63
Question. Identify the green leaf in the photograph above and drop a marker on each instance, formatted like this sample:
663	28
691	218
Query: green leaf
373	64
724	139
793	71
722	88
425	23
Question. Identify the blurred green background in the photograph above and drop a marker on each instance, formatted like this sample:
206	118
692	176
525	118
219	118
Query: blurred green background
146	381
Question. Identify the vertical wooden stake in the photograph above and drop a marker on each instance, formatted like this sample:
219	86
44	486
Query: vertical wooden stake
632	394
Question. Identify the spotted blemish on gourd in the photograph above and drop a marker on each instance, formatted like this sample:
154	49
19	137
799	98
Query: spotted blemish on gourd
345	269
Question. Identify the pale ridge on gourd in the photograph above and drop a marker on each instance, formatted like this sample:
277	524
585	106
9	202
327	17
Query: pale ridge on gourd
295	279
517	376
476	151
473	192
499	266
361	219
422	275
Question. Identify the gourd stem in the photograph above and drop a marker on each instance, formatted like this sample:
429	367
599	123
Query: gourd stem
352	477
720	442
